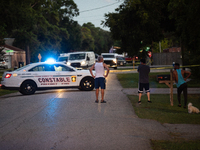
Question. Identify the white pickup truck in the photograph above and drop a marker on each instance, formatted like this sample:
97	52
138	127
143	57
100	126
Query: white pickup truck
110	59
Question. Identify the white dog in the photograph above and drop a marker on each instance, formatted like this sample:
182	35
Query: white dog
192	109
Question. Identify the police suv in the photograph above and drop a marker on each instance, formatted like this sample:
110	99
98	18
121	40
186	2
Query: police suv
42	76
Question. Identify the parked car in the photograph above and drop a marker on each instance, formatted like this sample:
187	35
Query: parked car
129	59
3	63
121	61
42	76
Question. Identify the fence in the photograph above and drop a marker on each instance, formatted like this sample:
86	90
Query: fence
167	58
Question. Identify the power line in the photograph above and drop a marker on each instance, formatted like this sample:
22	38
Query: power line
99	7
91	20
90	16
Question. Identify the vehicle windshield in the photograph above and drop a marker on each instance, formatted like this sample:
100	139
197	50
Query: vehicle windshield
77	56
108	56
63	59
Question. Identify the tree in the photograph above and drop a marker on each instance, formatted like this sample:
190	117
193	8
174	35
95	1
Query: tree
2	41
35	23
87	39
186	15
136	21
73	43
102	39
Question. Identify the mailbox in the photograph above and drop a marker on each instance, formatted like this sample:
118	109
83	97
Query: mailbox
163	77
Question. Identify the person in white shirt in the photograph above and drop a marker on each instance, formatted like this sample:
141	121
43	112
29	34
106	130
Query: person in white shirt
99	77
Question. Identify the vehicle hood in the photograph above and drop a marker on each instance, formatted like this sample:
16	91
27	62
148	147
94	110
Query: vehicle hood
109	58
76	61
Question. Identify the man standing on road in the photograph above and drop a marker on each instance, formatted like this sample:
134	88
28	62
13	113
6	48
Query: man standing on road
99	77
178	76
143	70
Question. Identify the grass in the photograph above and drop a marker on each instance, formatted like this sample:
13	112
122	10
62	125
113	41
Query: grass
4	92
161	110
130	80
175	145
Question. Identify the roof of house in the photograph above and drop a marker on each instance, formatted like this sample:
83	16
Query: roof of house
13	48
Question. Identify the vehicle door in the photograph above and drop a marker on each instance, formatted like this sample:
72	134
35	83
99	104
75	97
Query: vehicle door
44	75
66	76
92	59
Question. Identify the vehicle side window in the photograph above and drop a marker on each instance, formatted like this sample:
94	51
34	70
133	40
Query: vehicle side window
42	68
49	68
59	67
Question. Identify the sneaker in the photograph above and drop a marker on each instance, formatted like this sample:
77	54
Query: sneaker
139	102
103	101
96	101
149	101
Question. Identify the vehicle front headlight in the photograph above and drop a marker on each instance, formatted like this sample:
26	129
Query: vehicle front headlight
115	60
68	63
83	63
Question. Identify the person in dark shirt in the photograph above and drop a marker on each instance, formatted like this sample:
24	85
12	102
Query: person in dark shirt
178	76
143	70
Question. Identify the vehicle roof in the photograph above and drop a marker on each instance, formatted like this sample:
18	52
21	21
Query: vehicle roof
81	52
63	55
109	54
38	63
41	63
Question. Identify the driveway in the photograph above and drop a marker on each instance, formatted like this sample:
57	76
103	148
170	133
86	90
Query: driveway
71	120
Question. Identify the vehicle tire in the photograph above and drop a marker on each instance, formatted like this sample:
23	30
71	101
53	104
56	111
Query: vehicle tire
87	84
28	88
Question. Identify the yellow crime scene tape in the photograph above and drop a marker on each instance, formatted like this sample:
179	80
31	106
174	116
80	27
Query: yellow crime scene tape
188	66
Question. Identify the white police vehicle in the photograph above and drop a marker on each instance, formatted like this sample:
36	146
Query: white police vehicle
42	76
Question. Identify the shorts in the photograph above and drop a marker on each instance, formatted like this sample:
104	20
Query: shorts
143	86
100	82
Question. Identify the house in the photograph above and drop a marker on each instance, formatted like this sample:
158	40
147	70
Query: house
15	57
172	49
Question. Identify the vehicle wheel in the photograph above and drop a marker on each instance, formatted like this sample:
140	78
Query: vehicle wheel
28	88
87	84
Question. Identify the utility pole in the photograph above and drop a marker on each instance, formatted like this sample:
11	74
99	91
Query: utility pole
160	46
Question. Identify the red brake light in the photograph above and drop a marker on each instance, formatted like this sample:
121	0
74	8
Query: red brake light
8	75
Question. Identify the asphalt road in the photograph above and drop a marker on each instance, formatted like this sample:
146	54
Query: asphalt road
71	120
